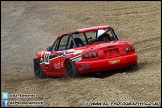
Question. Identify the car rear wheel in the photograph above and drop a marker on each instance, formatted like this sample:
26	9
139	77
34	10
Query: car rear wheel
38	72
71	69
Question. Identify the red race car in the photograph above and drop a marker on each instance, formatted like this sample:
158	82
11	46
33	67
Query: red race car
86	50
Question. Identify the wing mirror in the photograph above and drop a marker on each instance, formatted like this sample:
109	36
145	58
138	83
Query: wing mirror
49	48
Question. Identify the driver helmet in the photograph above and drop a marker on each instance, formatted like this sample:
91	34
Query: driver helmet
100	32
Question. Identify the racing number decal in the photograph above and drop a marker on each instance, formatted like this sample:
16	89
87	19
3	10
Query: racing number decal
46	57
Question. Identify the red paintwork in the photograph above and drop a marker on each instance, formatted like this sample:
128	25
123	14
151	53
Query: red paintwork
106	59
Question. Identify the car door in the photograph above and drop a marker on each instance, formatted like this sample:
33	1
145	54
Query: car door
50	58
56	58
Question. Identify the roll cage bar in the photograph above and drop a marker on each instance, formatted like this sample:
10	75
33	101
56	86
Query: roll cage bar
77	32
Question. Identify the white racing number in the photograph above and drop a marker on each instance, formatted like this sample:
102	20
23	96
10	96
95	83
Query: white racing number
46	57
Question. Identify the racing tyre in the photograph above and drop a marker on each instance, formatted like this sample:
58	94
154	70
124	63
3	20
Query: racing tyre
71	69
38	72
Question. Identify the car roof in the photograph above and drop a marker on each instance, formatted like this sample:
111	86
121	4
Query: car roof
88	29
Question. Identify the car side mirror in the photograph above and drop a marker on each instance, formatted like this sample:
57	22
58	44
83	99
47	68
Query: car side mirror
49	48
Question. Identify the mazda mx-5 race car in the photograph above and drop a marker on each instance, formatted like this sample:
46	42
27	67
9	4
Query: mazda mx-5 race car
86	50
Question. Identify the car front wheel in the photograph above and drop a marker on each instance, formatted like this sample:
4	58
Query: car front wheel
38	72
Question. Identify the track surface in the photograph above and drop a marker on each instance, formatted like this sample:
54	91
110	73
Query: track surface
29	27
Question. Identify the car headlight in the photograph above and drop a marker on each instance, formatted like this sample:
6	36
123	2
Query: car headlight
41	59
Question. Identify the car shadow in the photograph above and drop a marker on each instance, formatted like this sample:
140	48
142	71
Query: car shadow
108	73
102	74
